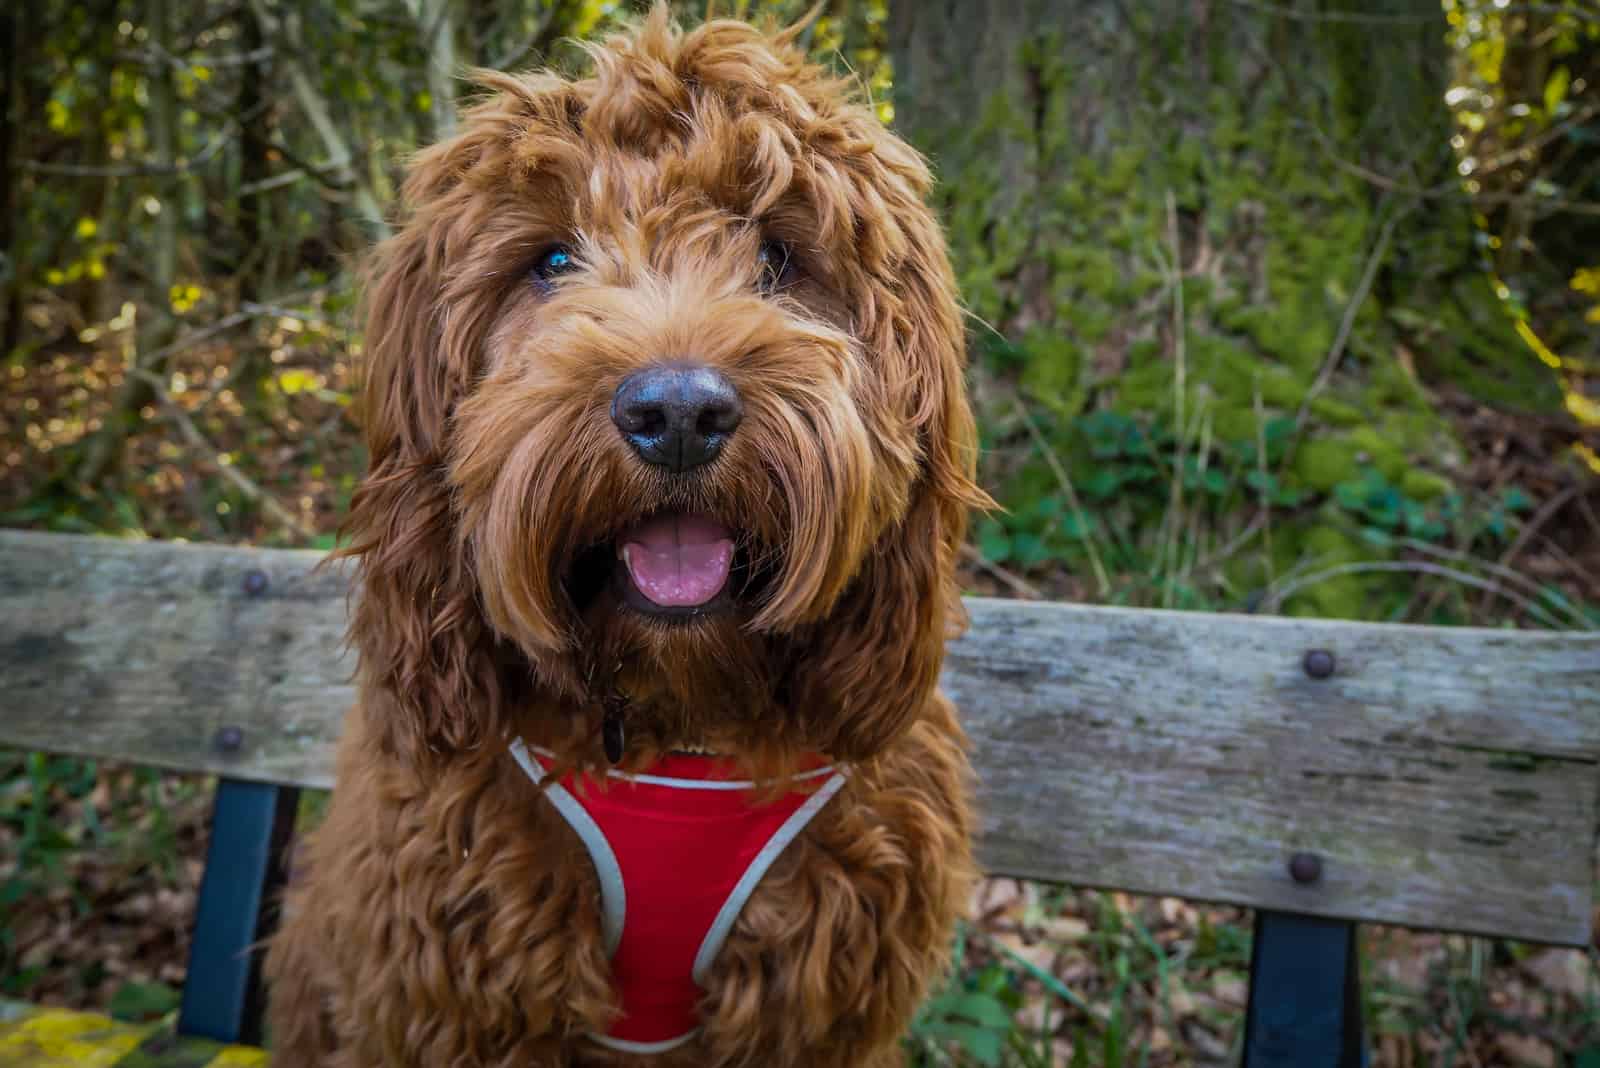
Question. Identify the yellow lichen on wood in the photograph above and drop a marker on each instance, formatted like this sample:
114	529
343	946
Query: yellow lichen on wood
33	1037
59	1038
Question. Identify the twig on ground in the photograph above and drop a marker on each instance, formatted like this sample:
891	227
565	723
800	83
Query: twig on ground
190	340
242	482
1330	363
1172	521
1499	570
1275	598
1021	585
1048	981
1238	542
1060	471
1529	529
1264	502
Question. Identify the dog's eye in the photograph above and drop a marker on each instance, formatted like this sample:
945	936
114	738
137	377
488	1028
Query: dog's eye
778	267
553	262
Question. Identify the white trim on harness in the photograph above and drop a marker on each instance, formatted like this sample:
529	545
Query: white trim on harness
693	784
626	1046
613	895
751	878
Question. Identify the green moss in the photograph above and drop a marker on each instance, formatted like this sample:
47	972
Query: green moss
1323	463
1380	451
1337	413
1424	485
1054	372
1346	596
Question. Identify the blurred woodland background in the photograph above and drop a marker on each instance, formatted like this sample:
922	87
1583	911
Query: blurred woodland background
1276	305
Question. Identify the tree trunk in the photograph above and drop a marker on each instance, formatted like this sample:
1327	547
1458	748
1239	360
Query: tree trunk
435	21
156	324
1089	153
14	34
251	200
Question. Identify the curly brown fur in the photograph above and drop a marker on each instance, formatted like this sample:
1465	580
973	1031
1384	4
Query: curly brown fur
447	916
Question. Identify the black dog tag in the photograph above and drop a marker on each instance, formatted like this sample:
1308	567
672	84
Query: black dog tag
611	734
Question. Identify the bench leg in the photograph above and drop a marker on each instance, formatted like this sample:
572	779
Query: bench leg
250	828
1305	994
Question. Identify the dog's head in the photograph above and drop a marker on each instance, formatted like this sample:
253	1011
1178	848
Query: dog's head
664	400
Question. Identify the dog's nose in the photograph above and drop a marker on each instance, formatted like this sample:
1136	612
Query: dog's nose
677	416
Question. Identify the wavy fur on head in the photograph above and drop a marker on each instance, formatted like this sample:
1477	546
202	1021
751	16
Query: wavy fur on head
447	916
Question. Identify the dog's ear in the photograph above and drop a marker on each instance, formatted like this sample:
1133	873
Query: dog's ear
874	663
432	680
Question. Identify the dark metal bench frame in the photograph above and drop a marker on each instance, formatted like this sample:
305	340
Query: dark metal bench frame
246	867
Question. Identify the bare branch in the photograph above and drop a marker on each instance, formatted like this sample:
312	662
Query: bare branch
1330	363
129	170
1275	598
1449	190
242	482
340	156
220	59
1065	479
277	181
189	341
537	41
1361	17
1510	155
1382	19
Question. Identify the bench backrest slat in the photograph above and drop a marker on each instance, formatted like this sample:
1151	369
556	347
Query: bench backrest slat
1443	777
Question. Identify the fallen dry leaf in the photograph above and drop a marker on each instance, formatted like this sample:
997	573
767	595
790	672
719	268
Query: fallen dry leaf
1526	1051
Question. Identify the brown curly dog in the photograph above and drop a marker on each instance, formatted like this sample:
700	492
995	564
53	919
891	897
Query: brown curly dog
670	463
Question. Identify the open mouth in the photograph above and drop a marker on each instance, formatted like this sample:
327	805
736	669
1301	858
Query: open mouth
677	562
673	565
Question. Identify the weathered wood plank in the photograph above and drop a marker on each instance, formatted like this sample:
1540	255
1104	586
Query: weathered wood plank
1445	777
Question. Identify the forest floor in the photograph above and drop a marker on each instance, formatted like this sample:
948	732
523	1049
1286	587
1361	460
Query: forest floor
100	864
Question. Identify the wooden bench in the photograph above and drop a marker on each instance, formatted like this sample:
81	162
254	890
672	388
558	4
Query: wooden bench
1323	773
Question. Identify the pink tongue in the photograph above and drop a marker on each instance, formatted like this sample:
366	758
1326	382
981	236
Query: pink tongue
679	560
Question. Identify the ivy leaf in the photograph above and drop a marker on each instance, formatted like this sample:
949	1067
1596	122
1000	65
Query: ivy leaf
985	1010
1075	526
1028	550
1262	482
1351	496
137	1002
1102	484
1555	89
993	542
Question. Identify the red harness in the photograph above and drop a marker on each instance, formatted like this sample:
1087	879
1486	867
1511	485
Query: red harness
678	852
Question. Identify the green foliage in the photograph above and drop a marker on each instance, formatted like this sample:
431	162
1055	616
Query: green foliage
1102	489
137	1002
971	1016
54	812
